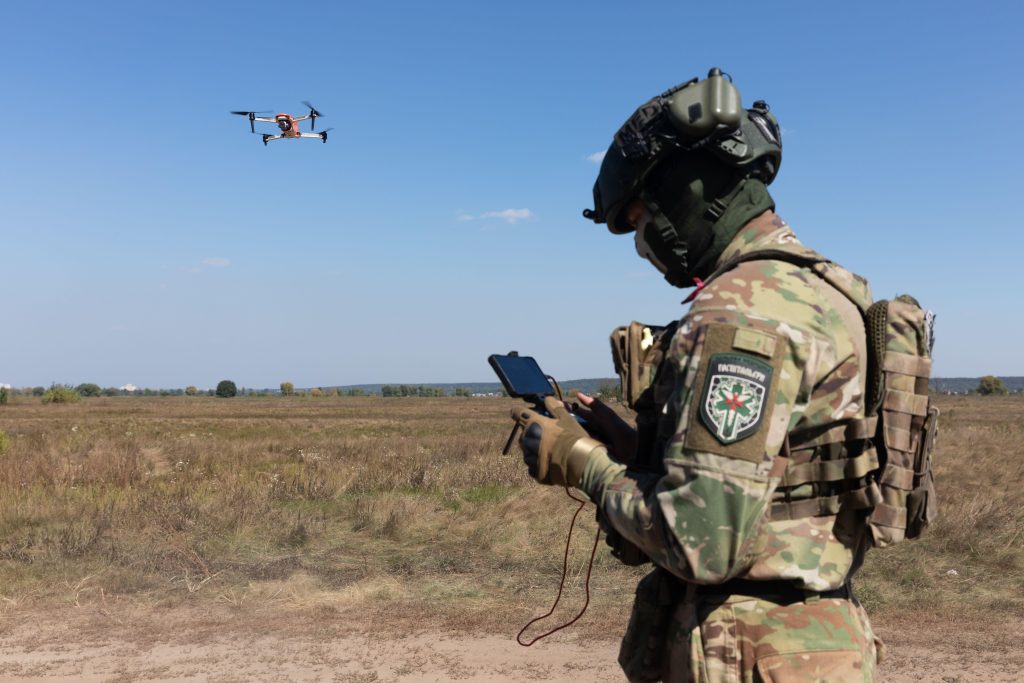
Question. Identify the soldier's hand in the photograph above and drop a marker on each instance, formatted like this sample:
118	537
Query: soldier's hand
606	425
555	448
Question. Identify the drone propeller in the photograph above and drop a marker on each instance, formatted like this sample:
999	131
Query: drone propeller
323	134
252	117
313	114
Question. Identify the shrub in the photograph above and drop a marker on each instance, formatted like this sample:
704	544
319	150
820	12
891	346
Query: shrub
989	385
111	391
38	391
287	388
316	392
5	443
88	389
60	393
190	390
4	395
226	389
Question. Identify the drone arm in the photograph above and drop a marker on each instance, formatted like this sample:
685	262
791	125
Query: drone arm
264	118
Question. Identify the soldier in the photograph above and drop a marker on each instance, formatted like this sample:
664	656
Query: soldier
747	479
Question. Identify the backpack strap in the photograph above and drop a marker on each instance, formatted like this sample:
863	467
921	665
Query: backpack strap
802	256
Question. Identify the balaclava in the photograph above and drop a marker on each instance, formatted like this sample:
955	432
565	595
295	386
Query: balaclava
696	205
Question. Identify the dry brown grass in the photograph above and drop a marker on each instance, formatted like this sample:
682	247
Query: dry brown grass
402	505
972	560
402	508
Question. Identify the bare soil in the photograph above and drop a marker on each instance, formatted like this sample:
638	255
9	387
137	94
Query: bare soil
185	643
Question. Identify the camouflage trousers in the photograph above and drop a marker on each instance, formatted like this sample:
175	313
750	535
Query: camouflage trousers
740	639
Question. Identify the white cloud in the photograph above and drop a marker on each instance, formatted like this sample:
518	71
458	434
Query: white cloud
597	157
208	262
508	215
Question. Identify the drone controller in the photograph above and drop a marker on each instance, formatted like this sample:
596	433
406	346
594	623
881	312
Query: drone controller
522	378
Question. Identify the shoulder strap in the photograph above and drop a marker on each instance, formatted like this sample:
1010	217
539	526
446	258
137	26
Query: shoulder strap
798	255
805	257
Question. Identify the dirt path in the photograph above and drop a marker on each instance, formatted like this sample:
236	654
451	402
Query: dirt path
183	644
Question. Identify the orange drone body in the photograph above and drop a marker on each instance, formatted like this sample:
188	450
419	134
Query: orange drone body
287	124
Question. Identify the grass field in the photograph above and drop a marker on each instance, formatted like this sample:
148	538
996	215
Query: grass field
403	507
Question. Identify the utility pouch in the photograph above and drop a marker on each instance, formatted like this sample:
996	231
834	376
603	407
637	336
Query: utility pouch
630	346
638	351
643	651
900	344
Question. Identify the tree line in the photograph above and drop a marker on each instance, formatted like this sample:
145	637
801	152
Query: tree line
66	393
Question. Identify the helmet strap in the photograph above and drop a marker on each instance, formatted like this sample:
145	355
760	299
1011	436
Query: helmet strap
718	223
667	244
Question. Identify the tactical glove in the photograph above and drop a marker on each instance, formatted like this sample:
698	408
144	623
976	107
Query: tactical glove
555	448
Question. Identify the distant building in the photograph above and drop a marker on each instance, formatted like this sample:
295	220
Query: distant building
129	388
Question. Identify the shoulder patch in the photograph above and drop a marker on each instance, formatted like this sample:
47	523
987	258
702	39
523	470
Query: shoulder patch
735	395
738	377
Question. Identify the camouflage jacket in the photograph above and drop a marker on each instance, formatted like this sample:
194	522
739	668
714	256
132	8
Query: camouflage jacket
767	348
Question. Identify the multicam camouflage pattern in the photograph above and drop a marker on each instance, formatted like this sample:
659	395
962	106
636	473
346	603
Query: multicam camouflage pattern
903	337
748	639
708	518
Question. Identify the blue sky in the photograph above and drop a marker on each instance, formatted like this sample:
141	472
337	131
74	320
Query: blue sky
147	237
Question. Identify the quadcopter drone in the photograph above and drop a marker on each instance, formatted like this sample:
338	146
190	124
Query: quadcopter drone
288	124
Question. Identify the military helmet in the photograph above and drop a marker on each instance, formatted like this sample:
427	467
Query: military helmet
696	115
